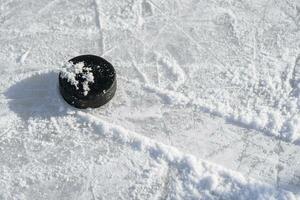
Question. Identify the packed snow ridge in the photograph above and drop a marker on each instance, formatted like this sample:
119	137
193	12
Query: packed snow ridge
70	71
202	179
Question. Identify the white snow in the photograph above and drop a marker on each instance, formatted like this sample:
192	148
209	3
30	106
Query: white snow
70	71
207	105
201	179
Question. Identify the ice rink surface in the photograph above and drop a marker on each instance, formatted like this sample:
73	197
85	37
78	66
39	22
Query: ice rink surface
207	105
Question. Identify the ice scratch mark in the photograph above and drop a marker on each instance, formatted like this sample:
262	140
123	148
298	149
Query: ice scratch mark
295	81
144	77
192	39
243	155
109	50
203	47
91	180
98	24
167	96
24	56
222	148
47	7
279	150
166	184
55	124
154	41
135	65
5	132
157	74
254	61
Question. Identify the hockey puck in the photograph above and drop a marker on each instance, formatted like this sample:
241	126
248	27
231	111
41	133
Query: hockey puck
87	81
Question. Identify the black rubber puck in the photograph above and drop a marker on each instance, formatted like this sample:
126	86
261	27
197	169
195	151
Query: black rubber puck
87	81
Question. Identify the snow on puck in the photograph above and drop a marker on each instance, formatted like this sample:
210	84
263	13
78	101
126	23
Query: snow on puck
87	81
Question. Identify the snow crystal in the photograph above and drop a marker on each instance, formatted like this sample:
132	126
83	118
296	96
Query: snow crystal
89	78
70	71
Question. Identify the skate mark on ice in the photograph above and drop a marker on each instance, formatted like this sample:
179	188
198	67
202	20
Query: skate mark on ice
161	30
295	81
142	75
168	96
98	24
215	56
166	185
47	7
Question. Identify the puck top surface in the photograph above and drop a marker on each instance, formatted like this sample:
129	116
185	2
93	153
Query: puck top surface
87	81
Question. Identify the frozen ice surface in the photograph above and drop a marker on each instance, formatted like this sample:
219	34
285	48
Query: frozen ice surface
207	105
